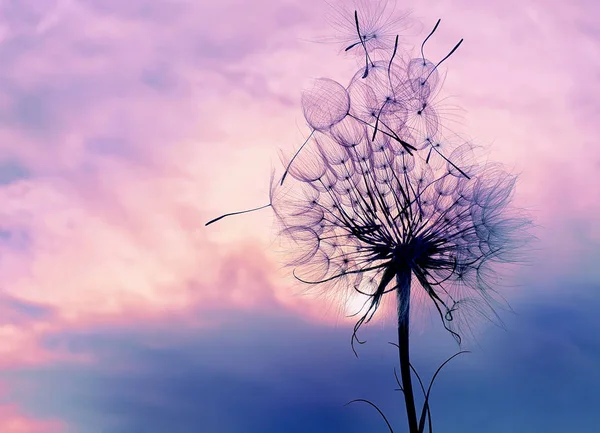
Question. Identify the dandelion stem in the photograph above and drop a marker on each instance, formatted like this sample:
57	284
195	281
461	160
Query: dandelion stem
403	287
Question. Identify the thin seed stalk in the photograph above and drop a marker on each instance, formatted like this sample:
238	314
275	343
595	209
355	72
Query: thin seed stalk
403	293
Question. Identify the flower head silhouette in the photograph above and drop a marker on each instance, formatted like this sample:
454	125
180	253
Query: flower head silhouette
367	211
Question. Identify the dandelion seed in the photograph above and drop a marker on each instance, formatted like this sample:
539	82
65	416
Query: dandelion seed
379	24
325	104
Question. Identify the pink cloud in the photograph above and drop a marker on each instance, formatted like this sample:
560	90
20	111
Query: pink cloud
148	138
12	420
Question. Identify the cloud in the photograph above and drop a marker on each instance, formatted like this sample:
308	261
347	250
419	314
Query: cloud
13	421
11	171
19	312
158	378
272	372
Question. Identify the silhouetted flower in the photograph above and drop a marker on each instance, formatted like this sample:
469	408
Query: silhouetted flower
382	198
382	195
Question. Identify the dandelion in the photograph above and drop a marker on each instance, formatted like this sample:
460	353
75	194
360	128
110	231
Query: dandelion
382	201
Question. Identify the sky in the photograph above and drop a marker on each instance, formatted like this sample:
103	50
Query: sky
125	126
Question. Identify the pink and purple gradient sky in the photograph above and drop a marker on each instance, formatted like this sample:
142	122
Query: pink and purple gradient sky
125	125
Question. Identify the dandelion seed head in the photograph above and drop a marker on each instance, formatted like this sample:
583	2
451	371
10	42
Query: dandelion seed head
361	203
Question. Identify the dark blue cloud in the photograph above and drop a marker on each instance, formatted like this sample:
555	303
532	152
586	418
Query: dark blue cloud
274	374
15	311
255	374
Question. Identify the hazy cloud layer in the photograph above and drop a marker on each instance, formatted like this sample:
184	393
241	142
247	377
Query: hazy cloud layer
273	373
